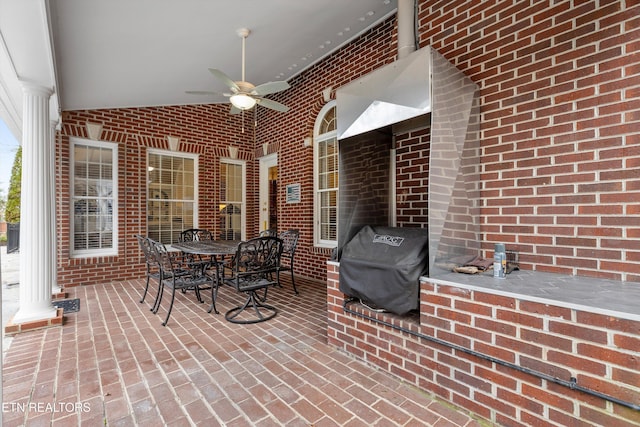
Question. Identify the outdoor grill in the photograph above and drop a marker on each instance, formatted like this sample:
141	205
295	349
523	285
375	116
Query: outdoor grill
382	266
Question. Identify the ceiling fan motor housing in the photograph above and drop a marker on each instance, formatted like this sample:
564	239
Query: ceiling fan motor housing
245	87
243	32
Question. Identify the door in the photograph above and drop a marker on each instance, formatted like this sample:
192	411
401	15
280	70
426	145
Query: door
232	214
269	192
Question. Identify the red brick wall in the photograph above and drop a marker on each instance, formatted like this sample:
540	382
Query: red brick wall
412	176
560	134
208	130
599	350
560	88
560	124
135	130
295	163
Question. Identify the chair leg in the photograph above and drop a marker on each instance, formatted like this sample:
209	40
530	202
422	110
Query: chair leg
146	288
215	284
253	300
196	289
293	282
173	297
214	295
156	303
263	298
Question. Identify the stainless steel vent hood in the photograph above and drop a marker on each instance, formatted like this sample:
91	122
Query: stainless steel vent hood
423	83
391	94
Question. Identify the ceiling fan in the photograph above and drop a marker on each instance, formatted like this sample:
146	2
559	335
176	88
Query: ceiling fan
244	95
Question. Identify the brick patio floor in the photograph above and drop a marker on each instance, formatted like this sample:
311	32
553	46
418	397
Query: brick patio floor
112	363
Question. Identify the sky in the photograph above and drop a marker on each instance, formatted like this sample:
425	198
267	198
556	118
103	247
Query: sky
8	147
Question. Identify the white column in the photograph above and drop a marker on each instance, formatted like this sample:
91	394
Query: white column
36	214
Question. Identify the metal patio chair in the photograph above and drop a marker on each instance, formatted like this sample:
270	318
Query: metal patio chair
178	273
290	242
196	235
253	269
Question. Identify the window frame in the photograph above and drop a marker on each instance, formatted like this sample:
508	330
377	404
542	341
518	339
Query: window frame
196	179
243	213
317	215
89	253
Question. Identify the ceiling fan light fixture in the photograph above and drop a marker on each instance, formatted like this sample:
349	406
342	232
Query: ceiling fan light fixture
242	101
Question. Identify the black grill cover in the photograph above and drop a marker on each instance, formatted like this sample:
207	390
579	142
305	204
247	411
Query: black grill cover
382	266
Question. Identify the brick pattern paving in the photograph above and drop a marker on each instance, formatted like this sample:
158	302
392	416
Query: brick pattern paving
112	363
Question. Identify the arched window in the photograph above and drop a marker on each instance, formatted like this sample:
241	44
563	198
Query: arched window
325	154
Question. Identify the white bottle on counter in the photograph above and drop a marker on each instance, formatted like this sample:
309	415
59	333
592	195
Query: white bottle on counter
499	261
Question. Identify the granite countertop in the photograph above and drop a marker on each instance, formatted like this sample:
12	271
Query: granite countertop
620	299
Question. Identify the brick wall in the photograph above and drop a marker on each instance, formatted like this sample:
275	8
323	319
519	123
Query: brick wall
208	130
295	163
412	176
598	350
135	130
559	134
560	126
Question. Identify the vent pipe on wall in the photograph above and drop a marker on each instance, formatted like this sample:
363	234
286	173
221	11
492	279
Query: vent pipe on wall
392	93
406	17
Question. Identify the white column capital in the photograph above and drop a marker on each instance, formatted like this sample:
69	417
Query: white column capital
32	88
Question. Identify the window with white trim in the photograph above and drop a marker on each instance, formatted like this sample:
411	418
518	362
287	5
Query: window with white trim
94	198
172	183
325	154
232	199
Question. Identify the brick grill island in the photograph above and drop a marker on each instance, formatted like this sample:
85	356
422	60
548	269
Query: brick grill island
536	348
539	324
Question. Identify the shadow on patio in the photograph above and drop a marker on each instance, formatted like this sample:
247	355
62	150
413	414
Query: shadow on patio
112	363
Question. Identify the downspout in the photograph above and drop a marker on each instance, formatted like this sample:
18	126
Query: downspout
407	14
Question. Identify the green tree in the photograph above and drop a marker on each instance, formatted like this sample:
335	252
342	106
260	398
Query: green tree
3	204
12	212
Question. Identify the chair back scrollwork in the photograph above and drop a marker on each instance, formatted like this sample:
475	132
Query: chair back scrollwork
258	257
195	234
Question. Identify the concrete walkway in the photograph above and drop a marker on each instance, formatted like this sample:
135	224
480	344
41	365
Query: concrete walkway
10	274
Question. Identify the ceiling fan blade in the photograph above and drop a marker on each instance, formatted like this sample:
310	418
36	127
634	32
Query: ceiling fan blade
274	105
270	87
234	110
225	79
201	92
211	97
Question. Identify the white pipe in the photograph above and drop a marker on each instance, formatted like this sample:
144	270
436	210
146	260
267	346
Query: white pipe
406	28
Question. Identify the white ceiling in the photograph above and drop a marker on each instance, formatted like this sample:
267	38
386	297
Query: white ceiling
126	53
133	53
